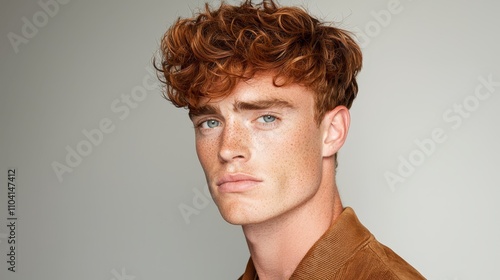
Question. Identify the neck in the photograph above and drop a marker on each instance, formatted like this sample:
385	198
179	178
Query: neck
278	245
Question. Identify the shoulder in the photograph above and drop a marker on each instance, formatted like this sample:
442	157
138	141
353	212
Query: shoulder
376	261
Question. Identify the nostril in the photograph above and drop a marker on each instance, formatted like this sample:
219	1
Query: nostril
233	151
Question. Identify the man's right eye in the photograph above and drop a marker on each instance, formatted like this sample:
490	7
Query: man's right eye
210	124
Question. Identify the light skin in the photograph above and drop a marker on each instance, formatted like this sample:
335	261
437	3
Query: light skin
270	167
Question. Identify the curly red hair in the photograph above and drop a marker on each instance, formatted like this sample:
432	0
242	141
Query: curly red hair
207	55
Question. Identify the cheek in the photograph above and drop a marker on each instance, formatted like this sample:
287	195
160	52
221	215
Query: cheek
296	158
205	149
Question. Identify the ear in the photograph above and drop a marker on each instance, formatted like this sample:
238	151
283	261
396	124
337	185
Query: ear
335	125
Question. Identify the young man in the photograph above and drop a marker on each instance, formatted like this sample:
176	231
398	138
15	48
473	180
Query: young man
269	89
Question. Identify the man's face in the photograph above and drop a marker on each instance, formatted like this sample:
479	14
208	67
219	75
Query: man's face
261	150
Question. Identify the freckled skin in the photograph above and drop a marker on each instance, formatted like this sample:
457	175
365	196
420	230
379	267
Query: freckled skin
286	154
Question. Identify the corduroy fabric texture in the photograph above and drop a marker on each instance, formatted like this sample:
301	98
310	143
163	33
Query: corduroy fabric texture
347	250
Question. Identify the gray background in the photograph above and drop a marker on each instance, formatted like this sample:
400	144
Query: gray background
117	215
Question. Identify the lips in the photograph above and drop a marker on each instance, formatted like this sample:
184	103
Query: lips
237	182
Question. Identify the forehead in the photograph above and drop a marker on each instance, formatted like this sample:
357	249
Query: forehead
262	85
259	92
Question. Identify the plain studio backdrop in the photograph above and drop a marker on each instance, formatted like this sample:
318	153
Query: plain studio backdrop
108	185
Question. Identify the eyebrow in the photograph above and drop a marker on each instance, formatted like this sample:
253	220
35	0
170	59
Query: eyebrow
242	106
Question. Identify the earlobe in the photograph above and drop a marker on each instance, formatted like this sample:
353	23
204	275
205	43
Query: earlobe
336	125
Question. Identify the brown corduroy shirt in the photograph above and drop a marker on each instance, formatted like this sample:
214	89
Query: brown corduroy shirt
347	250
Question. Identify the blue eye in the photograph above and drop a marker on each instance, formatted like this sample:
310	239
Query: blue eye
267	118
210	124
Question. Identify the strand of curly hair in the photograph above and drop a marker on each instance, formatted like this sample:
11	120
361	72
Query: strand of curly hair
207	55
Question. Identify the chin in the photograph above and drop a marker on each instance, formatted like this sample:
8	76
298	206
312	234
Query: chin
246	216
235	221
235	217
238	215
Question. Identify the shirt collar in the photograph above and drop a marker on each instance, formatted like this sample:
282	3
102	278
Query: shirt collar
344	238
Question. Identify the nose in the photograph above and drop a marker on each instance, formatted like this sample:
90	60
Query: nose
235	141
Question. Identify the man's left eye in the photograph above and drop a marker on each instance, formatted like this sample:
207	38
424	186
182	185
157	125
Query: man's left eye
267	119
